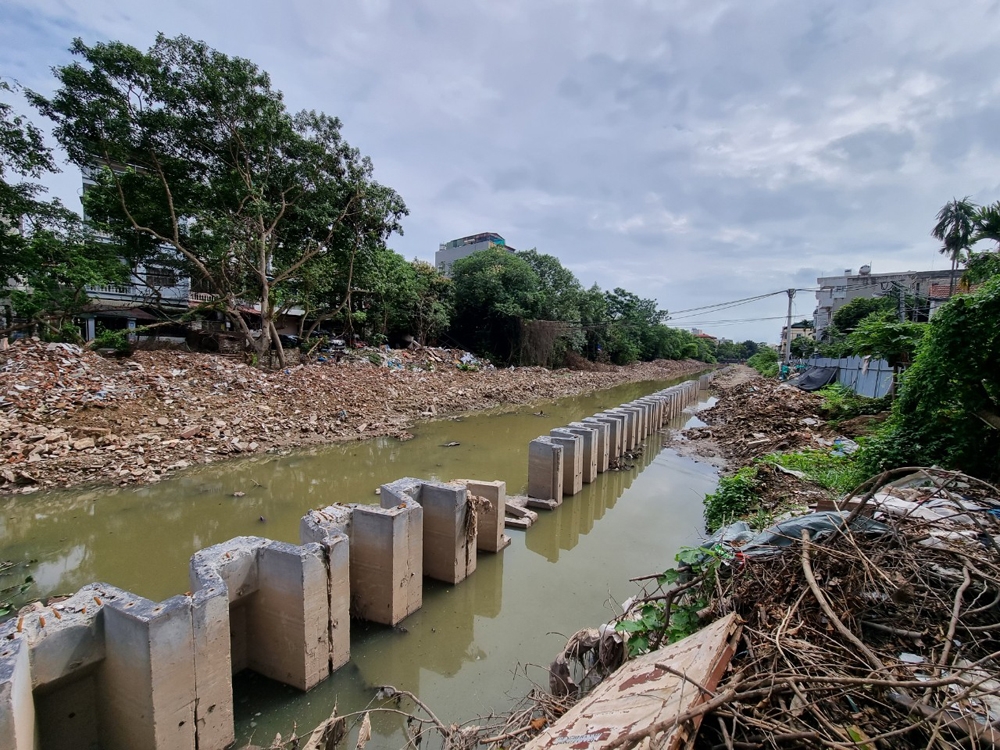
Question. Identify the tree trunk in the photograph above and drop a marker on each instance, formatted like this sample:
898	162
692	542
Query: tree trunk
277	344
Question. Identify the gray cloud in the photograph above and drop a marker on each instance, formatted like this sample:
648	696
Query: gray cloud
695	152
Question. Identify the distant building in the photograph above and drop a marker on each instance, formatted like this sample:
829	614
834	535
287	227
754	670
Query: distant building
836	291
449	252
800	329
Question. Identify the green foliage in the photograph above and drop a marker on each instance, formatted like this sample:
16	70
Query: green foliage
980	267
948	409
194	150
956	224
841	402
881	335
731	350
839	473
765	361
117	340
494	290
734	498
651	626
847	318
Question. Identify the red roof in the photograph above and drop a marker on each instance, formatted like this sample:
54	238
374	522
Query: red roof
704	336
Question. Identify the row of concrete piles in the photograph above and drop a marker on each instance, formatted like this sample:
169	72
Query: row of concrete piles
108	669
560	463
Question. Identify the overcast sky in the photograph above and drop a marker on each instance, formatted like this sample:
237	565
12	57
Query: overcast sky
695	152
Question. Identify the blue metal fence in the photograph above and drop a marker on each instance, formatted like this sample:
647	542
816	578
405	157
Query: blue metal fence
866	377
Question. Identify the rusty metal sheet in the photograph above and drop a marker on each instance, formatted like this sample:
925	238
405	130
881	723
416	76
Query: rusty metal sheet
641	694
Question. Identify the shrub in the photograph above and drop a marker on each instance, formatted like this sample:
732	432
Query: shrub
948	409
765	362
840	402
734	498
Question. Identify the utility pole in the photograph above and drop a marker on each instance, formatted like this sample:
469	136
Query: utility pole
788	327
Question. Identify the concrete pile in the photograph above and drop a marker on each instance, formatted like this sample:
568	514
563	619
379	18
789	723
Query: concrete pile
107	667
560	463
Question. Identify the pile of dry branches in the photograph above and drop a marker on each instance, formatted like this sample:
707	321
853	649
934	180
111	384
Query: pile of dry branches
867	640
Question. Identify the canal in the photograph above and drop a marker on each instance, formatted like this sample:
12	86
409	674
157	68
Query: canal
473	648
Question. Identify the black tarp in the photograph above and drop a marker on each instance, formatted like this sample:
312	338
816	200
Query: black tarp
815	378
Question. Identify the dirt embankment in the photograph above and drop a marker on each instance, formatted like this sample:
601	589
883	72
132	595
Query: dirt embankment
69	416
755	416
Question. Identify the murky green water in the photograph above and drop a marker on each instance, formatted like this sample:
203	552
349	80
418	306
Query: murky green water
462	650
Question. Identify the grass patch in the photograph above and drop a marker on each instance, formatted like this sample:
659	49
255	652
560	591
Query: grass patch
733	499
840	402
836	473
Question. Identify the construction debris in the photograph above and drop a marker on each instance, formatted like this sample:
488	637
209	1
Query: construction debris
761	416
69	416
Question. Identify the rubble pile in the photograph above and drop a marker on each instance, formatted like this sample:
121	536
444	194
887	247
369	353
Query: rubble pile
872	626
68	415
761	416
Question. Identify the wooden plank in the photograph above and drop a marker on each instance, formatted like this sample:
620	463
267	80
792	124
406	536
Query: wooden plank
642	694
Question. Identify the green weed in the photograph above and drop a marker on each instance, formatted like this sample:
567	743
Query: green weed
734	498
837	473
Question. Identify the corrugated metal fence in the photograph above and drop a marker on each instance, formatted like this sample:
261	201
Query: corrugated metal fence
872	378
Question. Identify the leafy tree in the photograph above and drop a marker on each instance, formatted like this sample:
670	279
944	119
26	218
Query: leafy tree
804	347
632	321
194	150
559	290
47	250
846	319
882	335
429	304
494	290
987	223
948	409
956	222
980	267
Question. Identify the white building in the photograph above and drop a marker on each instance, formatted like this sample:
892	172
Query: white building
449	252
836	291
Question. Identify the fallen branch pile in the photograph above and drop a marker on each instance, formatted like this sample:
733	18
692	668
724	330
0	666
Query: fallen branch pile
877	635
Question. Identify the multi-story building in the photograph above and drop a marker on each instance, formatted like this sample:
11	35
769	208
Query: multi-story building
800	329
157	292
449	252
836	291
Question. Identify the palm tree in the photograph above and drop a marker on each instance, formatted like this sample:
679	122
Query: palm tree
988	224
955	223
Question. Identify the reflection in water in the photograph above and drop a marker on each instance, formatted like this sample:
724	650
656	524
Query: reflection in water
459	652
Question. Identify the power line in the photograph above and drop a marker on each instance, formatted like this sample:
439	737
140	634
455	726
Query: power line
724	305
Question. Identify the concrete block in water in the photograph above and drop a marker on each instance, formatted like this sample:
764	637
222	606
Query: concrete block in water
386	555
449	539
489	520
591	438
603	442
17	707
545	469
146	682
616	433
279	606
572	459
627	427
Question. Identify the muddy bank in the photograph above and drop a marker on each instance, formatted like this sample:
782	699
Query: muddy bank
69	417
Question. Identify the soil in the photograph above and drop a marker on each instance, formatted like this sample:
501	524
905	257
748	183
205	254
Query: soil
70	416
